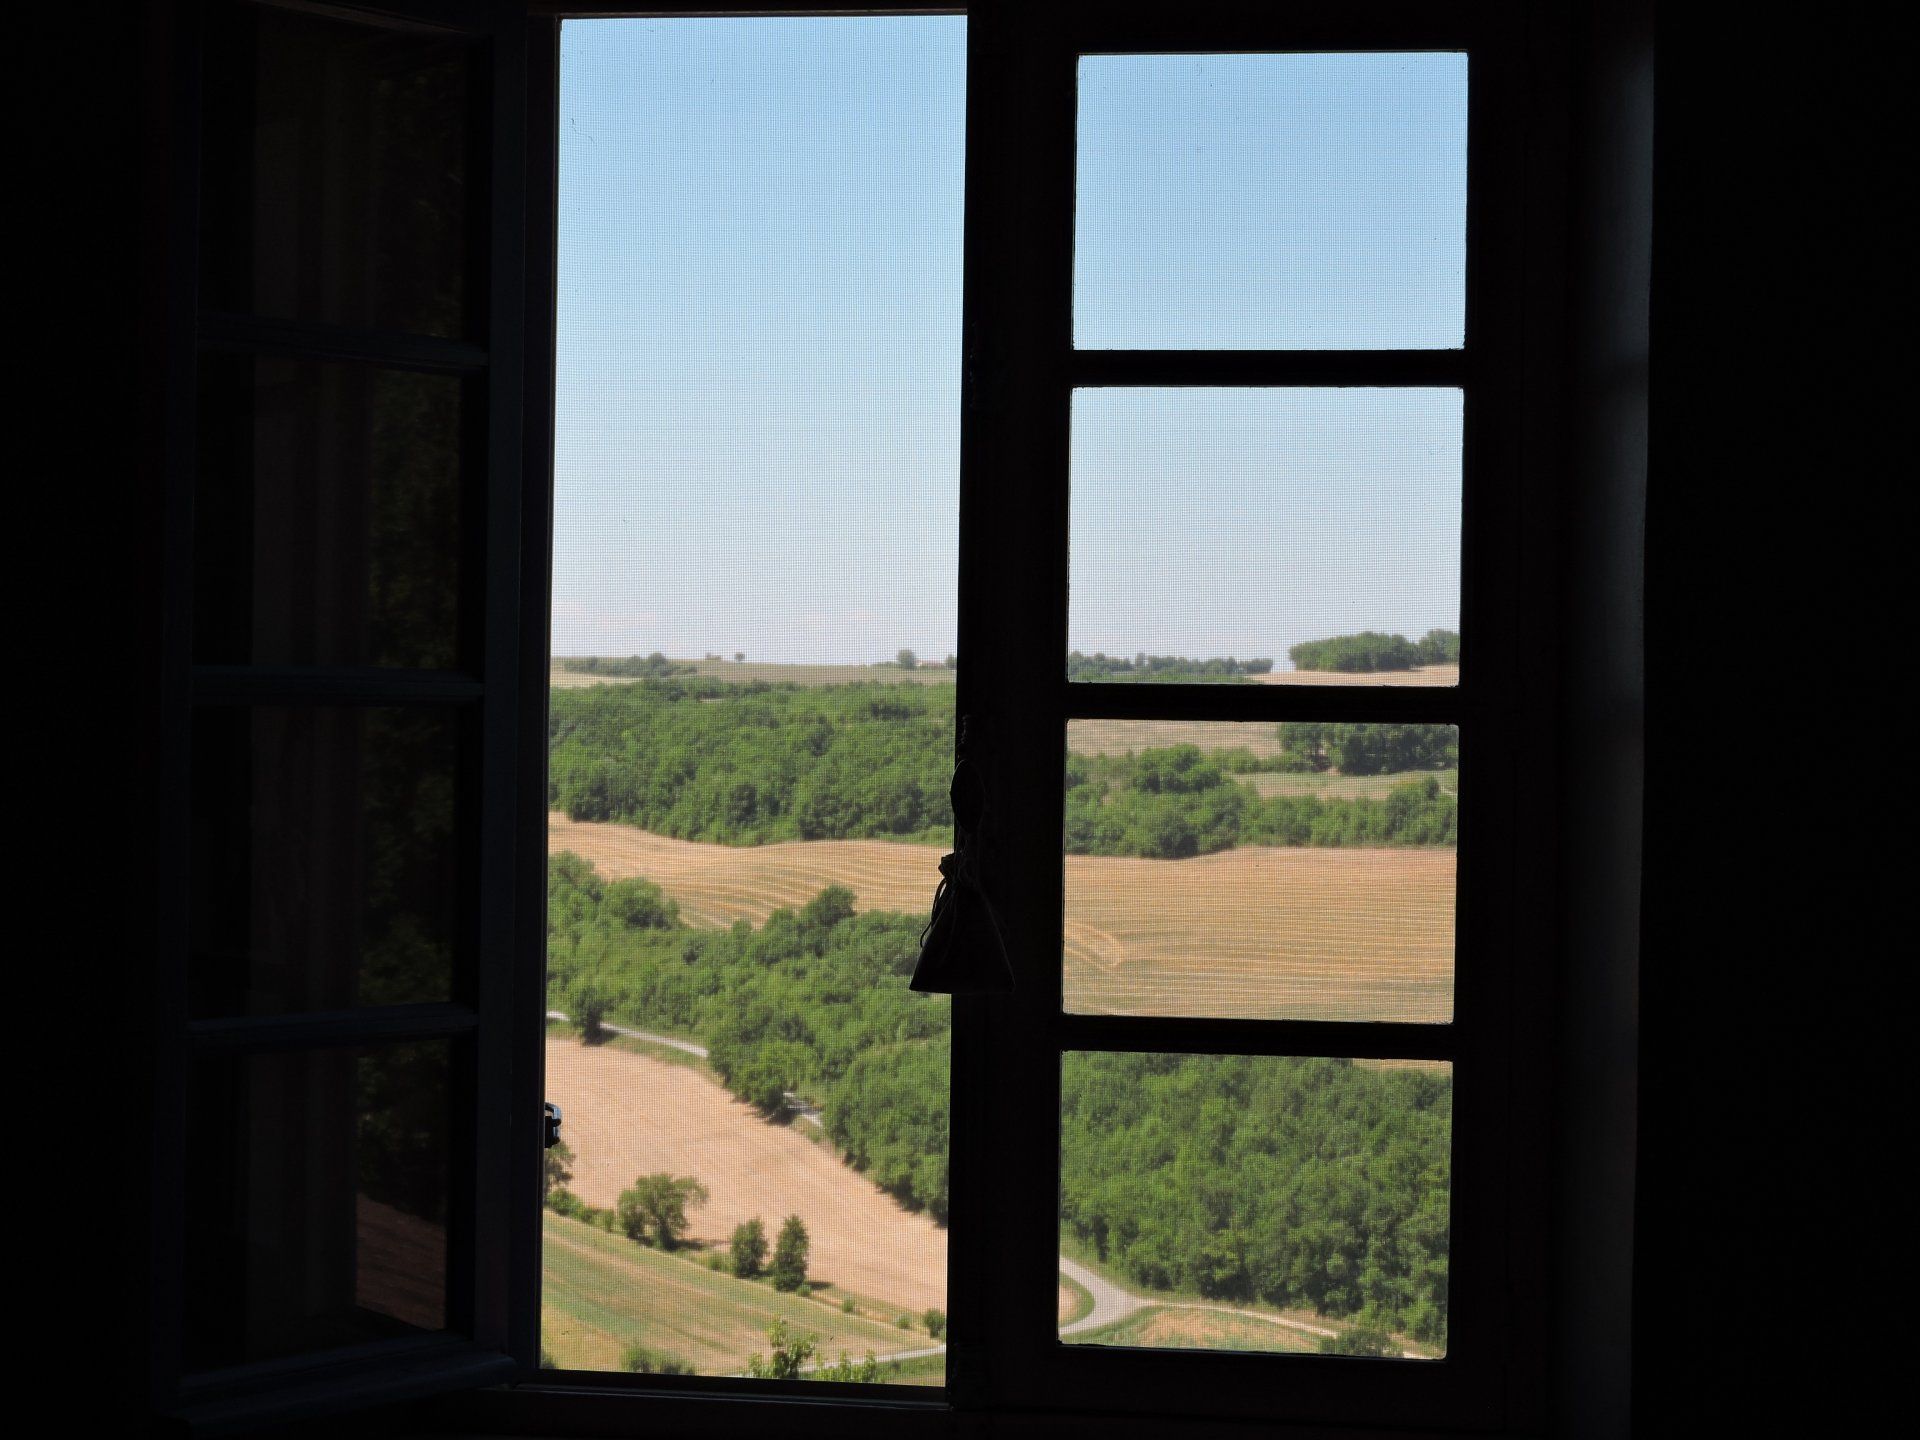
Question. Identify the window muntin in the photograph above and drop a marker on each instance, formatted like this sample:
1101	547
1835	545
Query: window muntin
1403	531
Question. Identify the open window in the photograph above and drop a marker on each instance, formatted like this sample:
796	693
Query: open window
1227	550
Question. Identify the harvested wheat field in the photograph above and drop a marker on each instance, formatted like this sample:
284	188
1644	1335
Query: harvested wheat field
718	884
1117	737
1421	675
629	1115
1301	934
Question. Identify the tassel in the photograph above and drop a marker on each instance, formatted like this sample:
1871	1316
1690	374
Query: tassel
961	949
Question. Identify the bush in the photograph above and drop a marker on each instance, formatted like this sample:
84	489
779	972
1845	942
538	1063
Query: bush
565	1202
639	1360
846	1304
1360	1340
936	1322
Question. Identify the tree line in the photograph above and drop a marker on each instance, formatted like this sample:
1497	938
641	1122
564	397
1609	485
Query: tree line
1160	667
1177	802
1264	1179
632	667
754	764
812	1004
1371	650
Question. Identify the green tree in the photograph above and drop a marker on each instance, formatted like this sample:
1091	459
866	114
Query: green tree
658	1204
790	1253
588	1006
936	1322
748	1251
907	660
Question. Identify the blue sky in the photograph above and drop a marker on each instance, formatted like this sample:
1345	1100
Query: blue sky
758	377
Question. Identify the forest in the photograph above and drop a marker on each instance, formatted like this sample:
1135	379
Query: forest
753	764
1264	1179
1370	650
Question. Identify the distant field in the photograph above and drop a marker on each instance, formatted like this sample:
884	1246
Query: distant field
1117	737
1335	934
628	1115
1167	1327
601	1293
749	670
745	672
1425	675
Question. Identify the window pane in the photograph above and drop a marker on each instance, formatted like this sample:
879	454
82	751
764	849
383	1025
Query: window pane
1275	202
328	517
1266	536
336	163
756	477
1247	1202
327	858
1239	870
317	1200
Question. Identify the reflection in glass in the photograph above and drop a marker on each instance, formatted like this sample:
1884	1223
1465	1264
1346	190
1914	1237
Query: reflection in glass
327	858
1247	1202
1303	871
317	1195
1279	202
1300	534
328	517
337	157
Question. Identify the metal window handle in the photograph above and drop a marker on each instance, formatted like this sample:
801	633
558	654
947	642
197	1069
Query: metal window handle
550	1129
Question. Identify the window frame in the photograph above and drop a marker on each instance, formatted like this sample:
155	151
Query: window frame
1020	370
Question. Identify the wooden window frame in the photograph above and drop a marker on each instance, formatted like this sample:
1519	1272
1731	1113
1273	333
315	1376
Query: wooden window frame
1020	371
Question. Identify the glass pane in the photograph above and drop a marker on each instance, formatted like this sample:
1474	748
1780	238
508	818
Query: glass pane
328	517
1241	870
1250	1202
326	857
1266	536
757	487
316	1201
1271	202
337	157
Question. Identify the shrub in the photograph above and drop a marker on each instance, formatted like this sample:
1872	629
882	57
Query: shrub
639	1360
936	1322
748	1251
790	1254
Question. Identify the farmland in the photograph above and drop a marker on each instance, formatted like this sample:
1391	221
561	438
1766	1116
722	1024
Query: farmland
602	1293
1255	931
628	1114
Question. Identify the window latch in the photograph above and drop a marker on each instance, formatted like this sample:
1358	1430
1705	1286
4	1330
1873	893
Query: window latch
961	949
550	1126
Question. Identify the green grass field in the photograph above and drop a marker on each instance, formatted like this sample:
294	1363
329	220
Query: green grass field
602	1293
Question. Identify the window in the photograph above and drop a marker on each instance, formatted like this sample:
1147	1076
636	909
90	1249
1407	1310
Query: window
1225	468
